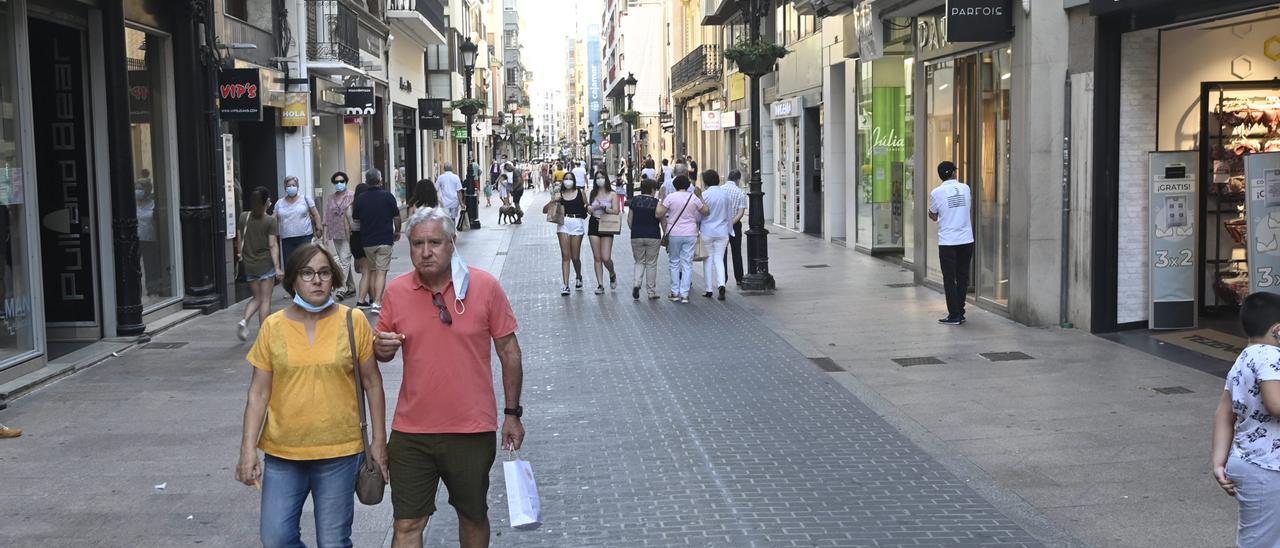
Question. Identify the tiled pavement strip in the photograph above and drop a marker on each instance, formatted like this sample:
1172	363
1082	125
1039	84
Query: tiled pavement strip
700	427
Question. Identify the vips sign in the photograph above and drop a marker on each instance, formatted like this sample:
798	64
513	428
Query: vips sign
979	20
239	97
430	114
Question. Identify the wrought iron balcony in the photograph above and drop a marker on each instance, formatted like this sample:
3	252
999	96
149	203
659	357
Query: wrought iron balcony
430	10
698	71
332	32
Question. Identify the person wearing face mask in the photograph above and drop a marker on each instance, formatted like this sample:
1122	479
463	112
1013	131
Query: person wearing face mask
571	229
448	318
337	231
302	410
148	246
298	218
603	200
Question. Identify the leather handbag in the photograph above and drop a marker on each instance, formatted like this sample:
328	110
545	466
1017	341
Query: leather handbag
609	223
370	485
666	234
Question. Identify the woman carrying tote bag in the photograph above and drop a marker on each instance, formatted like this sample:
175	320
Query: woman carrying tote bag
304	374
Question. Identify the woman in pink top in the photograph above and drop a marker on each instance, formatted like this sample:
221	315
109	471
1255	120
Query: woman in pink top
681	211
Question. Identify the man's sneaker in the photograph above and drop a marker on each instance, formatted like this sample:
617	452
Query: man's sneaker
684	299
674	298
654	296
242	330
564	291
635	293
951	320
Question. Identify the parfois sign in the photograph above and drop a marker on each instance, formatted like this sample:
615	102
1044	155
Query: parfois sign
238	95
979	20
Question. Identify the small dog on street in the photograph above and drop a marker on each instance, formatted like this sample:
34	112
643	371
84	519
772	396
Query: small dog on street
509	214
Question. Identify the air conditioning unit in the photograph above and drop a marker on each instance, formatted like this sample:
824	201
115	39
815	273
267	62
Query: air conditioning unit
824	8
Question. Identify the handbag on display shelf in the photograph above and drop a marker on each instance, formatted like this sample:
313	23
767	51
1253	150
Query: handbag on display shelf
370	485
609	224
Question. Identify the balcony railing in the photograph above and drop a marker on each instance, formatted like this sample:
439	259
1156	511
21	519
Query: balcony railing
701	66
332	32
431	10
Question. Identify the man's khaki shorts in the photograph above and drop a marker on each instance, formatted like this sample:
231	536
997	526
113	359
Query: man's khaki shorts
418	463
379	257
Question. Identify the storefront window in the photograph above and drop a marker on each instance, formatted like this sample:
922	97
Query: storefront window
884	132
940	125
153	188
16	327
992	190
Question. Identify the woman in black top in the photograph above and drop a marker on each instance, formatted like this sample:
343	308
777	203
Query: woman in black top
645	238
571	230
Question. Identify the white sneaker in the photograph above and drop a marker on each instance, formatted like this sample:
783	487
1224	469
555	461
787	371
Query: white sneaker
564	291
242	330
375	308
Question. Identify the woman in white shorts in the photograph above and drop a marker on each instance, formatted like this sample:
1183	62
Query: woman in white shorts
570	232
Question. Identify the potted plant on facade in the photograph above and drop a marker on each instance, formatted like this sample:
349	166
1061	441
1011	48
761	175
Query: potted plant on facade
755	58
469	106
631	116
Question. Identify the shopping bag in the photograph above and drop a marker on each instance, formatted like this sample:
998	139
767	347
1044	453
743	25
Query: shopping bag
523	505
609	224
555	212
700	250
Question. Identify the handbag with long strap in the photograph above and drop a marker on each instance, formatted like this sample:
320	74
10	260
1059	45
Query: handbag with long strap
666	235
370	485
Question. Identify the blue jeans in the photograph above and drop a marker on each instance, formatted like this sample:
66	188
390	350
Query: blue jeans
289	245
285	486
680	257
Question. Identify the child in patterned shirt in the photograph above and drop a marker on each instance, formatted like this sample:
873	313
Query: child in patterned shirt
1246	433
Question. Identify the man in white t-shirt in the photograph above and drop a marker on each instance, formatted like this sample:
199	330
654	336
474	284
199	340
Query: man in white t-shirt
580	174
449	188
950	205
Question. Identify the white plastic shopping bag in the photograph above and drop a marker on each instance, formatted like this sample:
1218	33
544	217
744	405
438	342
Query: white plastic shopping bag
522	494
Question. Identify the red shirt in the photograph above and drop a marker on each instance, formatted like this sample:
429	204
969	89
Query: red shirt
448	383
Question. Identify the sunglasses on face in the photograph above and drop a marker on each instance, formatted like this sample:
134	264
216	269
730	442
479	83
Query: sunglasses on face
438	300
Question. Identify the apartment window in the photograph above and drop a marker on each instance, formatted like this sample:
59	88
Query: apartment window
253	12
792	26
238	9
438	57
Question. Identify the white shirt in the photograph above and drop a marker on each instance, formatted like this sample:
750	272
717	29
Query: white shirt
1257	435
447	186
294	218
580	176
952	202
723	205
667	175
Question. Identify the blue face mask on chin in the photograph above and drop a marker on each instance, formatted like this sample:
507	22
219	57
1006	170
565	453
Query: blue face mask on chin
303	304
461	280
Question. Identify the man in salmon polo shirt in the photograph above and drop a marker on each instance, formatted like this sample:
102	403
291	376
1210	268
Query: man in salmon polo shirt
445	316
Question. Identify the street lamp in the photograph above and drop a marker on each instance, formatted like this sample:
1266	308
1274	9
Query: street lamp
528	136
758	277
468	50
630	83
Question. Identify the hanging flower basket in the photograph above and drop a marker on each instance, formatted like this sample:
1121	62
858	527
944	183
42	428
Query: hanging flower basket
755	59
469	107
631	117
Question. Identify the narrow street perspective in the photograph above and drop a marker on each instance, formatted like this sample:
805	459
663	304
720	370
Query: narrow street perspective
630	273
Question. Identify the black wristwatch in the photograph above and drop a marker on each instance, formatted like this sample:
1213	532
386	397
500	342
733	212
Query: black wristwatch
517	412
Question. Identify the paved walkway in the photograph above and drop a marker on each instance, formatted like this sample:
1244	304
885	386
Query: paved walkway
708	424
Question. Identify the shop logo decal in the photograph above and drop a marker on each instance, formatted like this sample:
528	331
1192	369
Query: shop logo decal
1242	67
1271	48
239	91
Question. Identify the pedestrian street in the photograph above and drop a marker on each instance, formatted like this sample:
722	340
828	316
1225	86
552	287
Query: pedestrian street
650	423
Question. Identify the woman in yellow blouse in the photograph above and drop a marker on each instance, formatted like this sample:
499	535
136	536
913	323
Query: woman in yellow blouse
302	411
